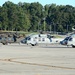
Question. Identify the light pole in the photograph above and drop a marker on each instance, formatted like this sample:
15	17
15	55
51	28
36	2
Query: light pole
38	25
50	26
44	24
73	28
44	18
67	28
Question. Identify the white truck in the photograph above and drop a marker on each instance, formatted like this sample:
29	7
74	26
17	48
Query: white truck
40	38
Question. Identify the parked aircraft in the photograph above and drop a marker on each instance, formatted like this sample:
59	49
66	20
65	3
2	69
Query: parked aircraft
69	41
40	38
64	41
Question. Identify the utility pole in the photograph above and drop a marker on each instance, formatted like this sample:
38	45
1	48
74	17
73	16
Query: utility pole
44	24
67	28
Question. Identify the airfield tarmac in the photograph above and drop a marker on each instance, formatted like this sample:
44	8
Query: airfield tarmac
18	59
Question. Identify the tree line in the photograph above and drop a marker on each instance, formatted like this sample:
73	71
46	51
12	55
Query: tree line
35	17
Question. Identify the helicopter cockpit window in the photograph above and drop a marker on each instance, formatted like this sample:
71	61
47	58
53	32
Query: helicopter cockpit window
70	39
39	35
29	38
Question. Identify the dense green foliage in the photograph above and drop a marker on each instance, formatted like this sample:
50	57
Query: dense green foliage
34	17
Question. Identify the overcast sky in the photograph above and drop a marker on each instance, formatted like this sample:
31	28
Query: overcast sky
43	2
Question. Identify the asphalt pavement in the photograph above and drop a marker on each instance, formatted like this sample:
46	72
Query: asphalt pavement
21	59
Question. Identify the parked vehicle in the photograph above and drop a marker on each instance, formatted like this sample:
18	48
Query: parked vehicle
6	40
